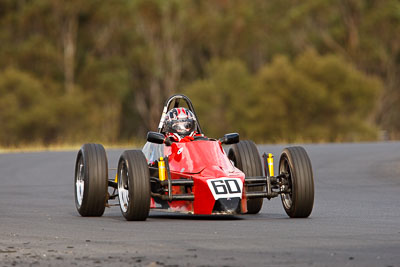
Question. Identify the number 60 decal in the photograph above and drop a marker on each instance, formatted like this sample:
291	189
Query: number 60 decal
225	187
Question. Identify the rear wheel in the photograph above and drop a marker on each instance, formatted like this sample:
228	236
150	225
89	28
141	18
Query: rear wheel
246	158
134	185
295	162
91	175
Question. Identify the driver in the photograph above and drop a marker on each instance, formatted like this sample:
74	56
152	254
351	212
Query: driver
180	125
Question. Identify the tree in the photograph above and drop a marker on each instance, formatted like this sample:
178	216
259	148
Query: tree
363	32
23	113
313	98
317	98
221	99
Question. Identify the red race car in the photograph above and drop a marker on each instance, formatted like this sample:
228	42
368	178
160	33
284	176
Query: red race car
181	170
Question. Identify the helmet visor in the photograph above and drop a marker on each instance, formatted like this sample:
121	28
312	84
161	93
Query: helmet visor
183	126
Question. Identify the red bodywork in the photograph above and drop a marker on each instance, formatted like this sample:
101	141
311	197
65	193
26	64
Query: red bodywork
202	161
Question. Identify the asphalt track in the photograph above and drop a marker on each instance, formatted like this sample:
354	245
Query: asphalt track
355	221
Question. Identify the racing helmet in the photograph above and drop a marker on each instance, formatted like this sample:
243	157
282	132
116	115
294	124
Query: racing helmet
180	121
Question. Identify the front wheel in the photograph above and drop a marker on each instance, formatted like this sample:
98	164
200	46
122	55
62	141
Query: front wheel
246	158
299	201
134	185
91	175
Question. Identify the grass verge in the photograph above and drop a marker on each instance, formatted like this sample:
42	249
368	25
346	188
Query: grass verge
67	147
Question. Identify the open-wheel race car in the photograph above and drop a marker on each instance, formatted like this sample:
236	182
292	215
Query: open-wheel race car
181	170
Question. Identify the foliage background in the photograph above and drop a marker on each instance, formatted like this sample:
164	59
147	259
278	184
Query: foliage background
274	71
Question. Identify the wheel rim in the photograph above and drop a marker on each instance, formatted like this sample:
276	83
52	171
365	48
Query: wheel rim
123	188
80	182
287	197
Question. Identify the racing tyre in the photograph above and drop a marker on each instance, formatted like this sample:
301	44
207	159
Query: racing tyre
295	162
134	185
91	175
246	158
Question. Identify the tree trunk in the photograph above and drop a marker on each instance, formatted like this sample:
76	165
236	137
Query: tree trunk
69	34
166	47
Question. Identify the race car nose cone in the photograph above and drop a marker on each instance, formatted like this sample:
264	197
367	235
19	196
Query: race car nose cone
227	205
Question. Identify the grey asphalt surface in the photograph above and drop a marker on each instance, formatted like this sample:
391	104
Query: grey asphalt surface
355	221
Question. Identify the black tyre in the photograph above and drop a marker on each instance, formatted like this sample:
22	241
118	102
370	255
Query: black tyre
134	185
91	180
300	201
246	158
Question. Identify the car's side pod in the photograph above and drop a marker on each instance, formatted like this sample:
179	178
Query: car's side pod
230	138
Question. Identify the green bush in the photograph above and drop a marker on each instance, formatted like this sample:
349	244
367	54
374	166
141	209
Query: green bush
312	98
30	112
220	99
